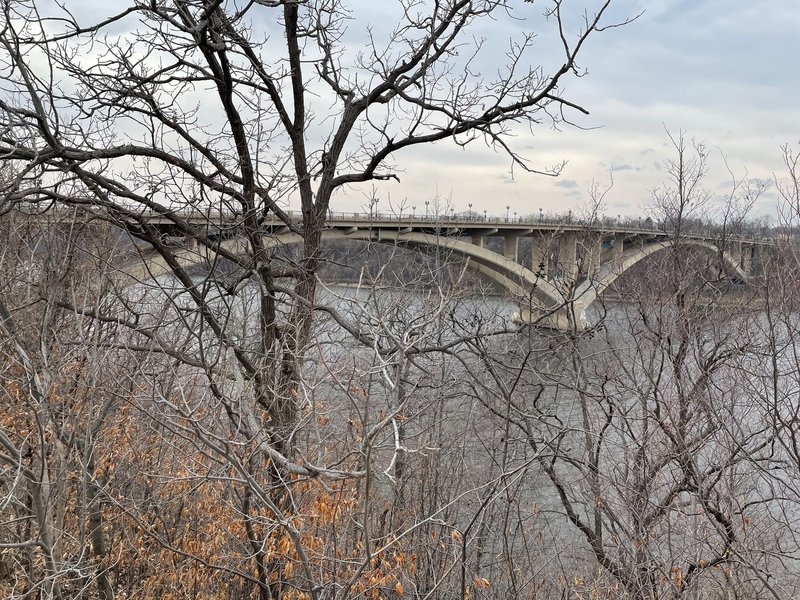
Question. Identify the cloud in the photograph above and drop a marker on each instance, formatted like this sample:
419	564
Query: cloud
723	76
566	183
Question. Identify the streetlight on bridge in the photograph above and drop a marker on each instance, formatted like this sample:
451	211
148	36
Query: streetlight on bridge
541	218
484	214
427	202
508	207
413	212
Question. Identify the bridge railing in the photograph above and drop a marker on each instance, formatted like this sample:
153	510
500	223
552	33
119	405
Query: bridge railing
476	218
554	221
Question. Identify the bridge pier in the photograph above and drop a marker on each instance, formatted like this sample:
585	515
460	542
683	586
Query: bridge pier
568	256
587	252
511	247
750	259
744	256
540	254
611	250
757	262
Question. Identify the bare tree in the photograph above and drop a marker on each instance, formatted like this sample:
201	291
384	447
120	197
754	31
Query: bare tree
57	396
176	121
662	438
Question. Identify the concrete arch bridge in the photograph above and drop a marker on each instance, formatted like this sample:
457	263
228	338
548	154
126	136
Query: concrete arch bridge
555	270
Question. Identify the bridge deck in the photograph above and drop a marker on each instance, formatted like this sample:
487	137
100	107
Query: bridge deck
454	225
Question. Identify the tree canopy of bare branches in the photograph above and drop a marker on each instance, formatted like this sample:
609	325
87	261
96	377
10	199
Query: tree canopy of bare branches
205	447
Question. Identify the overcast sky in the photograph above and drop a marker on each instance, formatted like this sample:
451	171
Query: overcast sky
723	71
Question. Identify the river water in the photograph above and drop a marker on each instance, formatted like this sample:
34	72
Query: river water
660	440
665	437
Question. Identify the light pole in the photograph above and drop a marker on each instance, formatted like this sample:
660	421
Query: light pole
452	213
427	202
515	216
413	212
470	211
508	207
484	214
540	215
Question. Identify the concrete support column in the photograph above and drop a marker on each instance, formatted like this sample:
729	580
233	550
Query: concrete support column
588	254
478	240
539	254
756	262
611	249
746	257
568	255
511	247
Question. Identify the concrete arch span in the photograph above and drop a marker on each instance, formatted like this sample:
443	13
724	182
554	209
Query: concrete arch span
593	287
514	277
517	279
542	302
